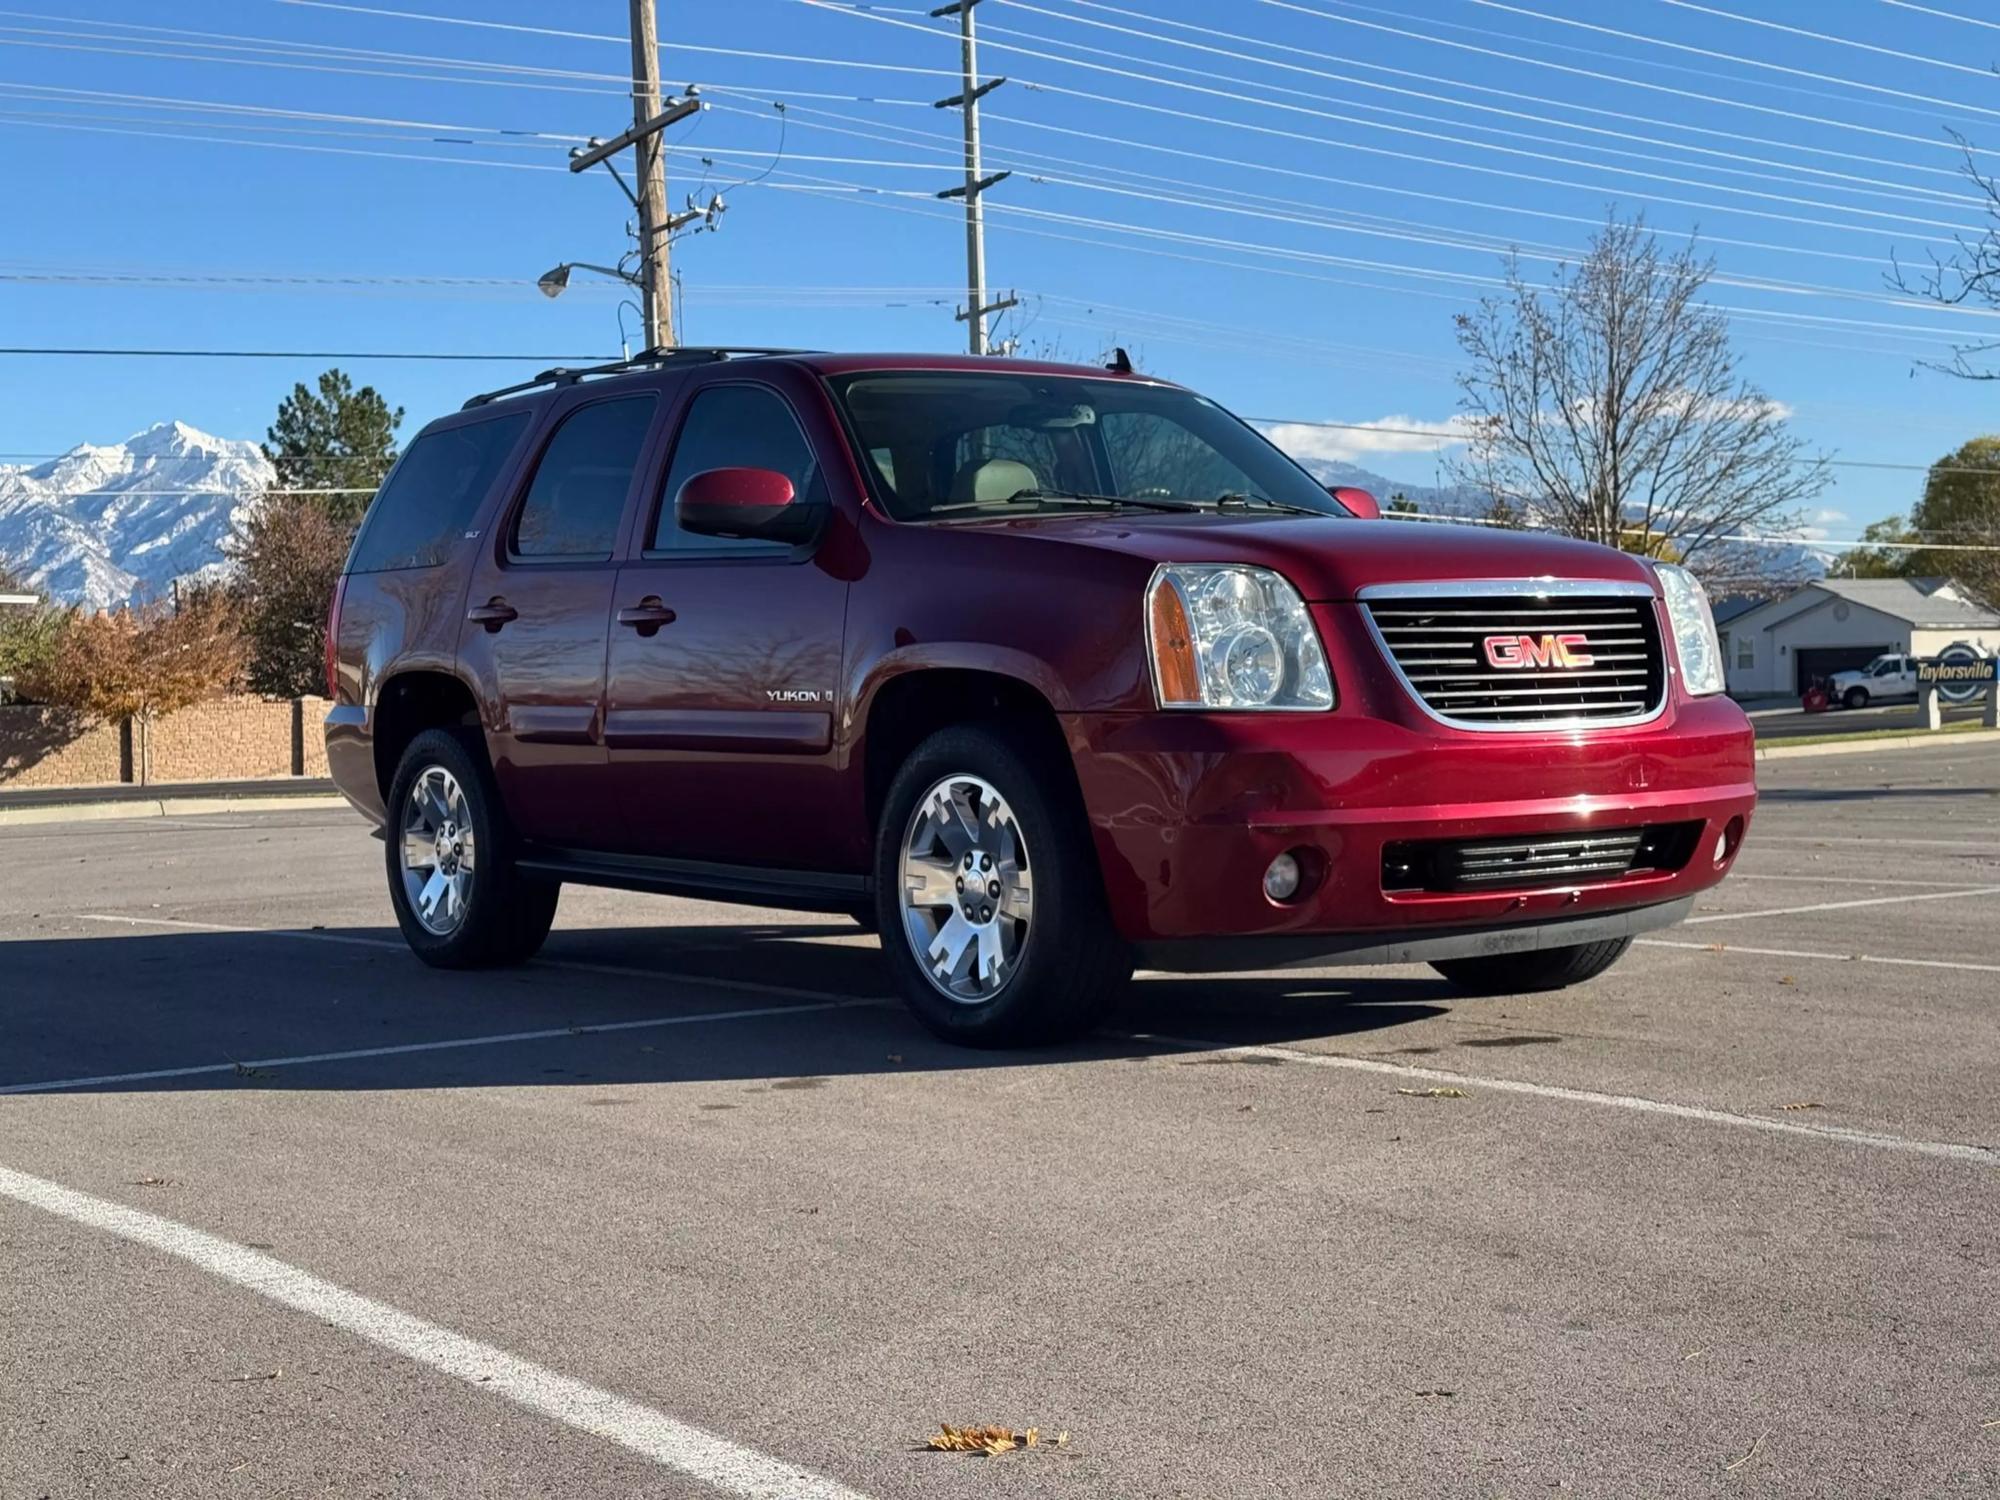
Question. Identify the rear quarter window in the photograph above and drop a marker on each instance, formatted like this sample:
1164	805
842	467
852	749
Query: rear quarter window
432	495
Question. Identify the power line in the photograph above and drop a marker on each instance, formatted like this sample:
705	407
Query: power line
1873	186
1943	14
303	354
1614	78
1735	57
1185	87
1838	41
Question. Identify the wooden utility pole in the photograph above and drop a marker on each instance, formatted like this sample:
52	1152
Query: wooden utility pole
656	298
976	306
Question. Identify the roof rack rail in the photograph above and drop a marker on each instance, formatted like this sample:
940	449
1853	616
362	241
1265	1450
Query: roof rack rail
650	358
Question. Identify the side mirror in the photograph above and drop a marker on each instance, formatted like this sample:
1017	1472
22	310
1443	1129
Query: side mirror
1357	503
749	504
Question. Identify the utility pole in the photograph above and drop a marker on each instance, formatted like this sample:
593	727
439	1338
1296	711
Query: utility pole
656	299
976	308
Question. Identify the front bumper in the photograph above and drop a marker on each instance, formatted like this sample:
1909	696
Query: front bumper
1187	811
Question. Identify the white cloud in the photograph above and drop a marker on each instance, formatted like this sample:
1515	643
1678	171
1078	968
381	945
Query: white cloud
1354	440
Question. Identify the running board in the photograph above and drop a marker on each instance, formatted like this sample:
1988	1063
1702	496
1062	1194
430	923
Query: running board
746	885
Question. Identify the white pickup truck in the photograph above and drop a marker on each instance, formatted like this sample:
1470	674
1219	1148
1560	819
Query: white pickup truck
1885	679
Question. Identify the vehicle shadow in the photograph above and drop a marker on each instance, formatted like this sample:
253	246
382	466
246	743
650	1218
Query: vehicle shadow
136	1010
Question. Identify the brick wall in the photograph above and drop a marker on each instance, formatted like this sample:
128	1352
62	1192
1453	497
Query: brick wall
55	747
225	739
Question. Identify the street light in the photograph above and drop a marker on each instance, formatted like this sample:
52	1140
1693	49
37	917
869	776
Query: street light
555	281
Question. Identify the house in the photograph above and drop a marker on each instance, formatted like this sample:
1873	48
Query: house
1777	646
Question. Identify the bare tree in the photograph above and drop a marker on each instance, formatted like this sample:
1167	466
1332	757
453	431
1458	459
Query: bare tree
1968	277
1608	405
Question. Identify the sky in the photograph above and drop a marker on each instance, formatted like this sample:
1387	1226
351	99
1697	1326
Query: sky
1282	203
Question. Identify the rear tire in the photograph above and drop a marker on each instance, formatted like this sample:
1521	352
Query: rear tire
1039	961
1855	697
1525	973
459	898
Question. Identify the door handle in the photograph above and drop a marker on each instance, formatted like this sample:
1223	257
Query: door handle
647	616
494	613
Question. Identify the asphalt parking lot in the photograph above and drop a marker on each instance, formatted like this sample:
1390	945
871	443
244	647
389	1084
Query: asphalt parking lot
682	1210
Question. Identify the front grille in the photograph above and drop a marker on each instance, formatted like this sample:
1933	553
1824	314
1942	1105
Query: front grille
1536	860
1450	648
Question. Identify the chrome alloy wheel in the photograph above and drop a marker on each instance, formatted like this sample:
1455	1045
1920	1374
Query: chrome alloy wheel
438	851
968	900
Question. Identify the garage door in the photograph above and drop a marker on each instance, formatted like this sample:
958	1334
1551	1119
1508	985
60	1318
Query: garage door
1823	661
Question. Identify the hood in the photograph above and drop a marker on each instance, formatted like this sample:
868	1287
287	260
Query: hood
1333	559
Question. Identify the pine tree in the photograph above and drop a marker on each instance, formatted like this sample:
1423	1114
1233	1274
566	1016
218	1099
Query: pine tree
336	439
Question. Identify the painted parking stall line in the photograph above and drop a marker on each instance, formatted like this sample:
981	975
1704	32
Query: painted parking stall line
1797	911
1958	1151
652	1434
396	945
1836	958
447	1044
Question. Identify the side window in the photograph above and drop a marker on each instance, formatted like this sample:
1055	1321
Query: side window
433	493
1746	652
578	494
735	427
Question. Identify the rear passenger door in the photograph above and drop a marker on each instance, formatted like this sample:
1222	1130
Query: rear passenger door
720	722
538	609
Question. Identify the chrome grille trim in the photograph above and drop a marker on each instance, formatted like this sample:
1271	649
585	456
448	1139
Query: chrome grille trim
1430	635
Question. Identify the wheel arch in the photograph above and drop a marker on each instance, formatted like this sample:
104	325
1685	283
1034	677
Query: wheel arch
908	703
408	703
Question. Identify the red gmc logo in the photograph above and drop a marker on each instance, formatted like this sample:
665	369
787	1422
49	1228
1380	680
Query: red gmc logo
1521	653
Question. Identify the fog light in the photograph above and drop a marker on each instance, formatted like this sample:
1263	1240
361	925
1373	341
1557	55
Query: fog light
1281	878
1727	840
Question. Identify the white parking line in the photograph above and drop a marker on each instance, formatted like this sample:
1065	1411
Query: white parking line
1982	846
496	1039
1737	877
672	1444
1838	958
1793	911
394	945
1984	1156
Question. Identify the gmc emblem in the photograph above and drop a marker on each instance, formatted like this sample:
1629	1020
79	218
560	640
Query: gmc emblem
1520	653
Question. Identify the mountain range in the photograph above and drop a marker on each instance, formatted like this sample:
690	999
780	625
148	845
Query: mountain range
105	524
108	523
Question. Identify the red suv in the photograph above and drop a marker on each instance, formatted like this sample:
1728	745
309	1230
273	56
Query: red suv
1042	672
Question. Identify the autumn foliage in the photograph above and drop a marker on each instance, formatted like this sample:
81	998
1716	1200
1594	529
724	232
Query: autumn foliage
142	663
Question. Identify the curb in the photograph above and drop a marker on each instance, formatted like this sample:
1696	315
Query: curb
1922	741
157	807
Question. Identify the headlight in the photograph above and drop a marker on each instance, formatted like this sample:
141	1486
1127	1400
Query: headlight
1694	629
1228	636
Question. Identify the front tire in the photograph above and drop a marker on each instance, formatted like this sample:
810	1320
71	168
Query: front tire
459	898
1526	973
1855	697
988	896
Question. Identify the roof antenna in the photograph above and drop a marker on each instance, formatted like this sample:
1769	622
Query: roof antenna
1121	362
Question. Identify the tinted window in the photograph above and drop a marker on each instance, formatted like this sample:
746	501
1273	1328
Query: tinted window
965	442
431	496
578	496
735	427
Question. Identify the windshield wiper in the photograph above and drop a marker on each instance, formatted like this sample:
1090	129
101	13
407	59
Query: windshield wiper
1108	501
1264	502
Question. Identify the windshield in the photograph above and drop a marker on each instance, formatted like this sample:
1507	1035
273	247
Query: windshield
950	445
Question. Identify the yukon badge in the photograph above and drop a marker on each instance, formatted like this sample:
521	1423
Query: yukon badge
796	695
1522	653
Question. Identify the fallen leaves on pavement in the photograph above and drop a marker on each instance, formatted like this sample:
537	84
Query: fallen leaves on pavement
1441	1093
1803	1104
988	1441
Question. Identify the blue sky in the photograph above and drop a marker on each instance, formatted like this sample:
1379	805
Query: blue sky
1281	202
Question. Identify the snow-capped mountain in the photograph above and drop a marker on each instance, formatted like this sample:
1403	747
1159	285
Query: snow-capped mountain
104	524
